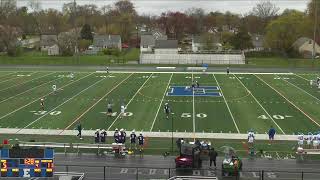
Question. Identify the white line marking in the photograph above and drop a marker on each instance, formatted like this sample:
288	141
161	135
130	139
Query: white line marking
302	77
28	90
37	99
15	78
301	89
8	74
193	110
130	100
26	82
290	102
96	103
234	122
164	94
62	104
261	106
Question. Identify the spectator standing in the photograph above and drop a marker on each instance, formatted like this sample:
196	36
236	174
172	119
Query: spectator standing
213	157
97	136
271	134
79	128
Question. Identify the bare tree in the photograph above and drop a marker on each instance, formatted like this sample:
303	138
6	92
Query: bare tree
265	10
9	38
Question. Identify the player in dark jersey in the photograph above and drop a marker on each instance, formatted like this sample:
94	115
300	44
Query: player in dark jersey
109	109
116	136
42	104
141	143
97	136
103	136
167	110
133	138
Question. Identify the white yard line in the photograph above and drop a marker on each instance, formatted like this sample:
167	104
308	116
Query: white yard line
28	90
8	74
26	82
302	77
130	101
87	110
69	99
290	102
261	106
16	78
193	110
234	122
42	97
300	88
164	94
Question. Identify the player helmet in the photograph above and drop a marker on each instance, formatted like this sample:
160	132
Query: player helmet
121	130
133	131
116	129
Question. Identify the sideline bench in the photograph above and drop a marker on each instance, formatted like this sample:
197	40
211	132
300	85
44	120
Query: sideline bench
118	148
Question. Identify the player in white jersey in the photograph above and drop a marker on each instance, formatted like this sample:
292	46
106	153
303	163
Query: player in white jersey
71	75
300	140
54	89
251	138
316	141
122	110
309	139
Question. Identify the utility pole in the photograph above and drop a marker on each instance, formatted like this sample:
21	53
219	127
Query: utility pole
314	30
75	31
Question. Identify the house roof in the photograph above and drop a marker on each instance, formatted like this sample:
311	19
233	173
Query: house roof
299	42
105	40
147	40
166	44
257	40
48	40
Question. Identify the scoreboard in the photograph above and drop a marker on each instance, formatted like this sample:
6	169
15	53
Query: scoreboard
32	162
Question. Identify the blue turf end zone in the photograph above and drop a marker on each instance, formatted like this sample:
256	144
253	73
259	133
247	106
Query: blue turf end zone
212	91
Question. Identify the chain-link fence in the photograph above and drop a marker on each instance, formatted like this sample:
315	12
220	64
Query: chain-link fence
134	173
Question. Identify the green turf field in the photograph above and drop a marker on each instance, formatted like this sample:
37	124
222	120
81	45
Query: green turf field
258	101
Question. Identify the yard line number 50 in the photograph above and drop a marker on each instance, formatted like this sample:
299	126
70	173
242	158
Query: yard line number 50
189	115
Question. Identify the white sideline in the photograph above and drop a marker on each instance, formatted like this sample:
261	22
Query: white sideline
90	133
165	67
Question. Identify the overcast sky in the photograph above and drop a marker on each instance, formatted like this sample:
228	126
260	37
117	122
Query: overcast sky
155	7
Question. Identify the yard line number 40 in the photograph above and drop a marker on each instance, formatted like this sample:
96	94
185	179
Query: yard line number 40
276	116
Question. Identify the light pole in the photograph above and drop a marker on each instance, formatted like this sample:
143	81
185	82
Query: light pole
172	132
314	30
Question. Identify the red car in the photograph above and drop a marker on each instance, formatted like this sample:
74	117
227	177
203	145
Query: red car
189	156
